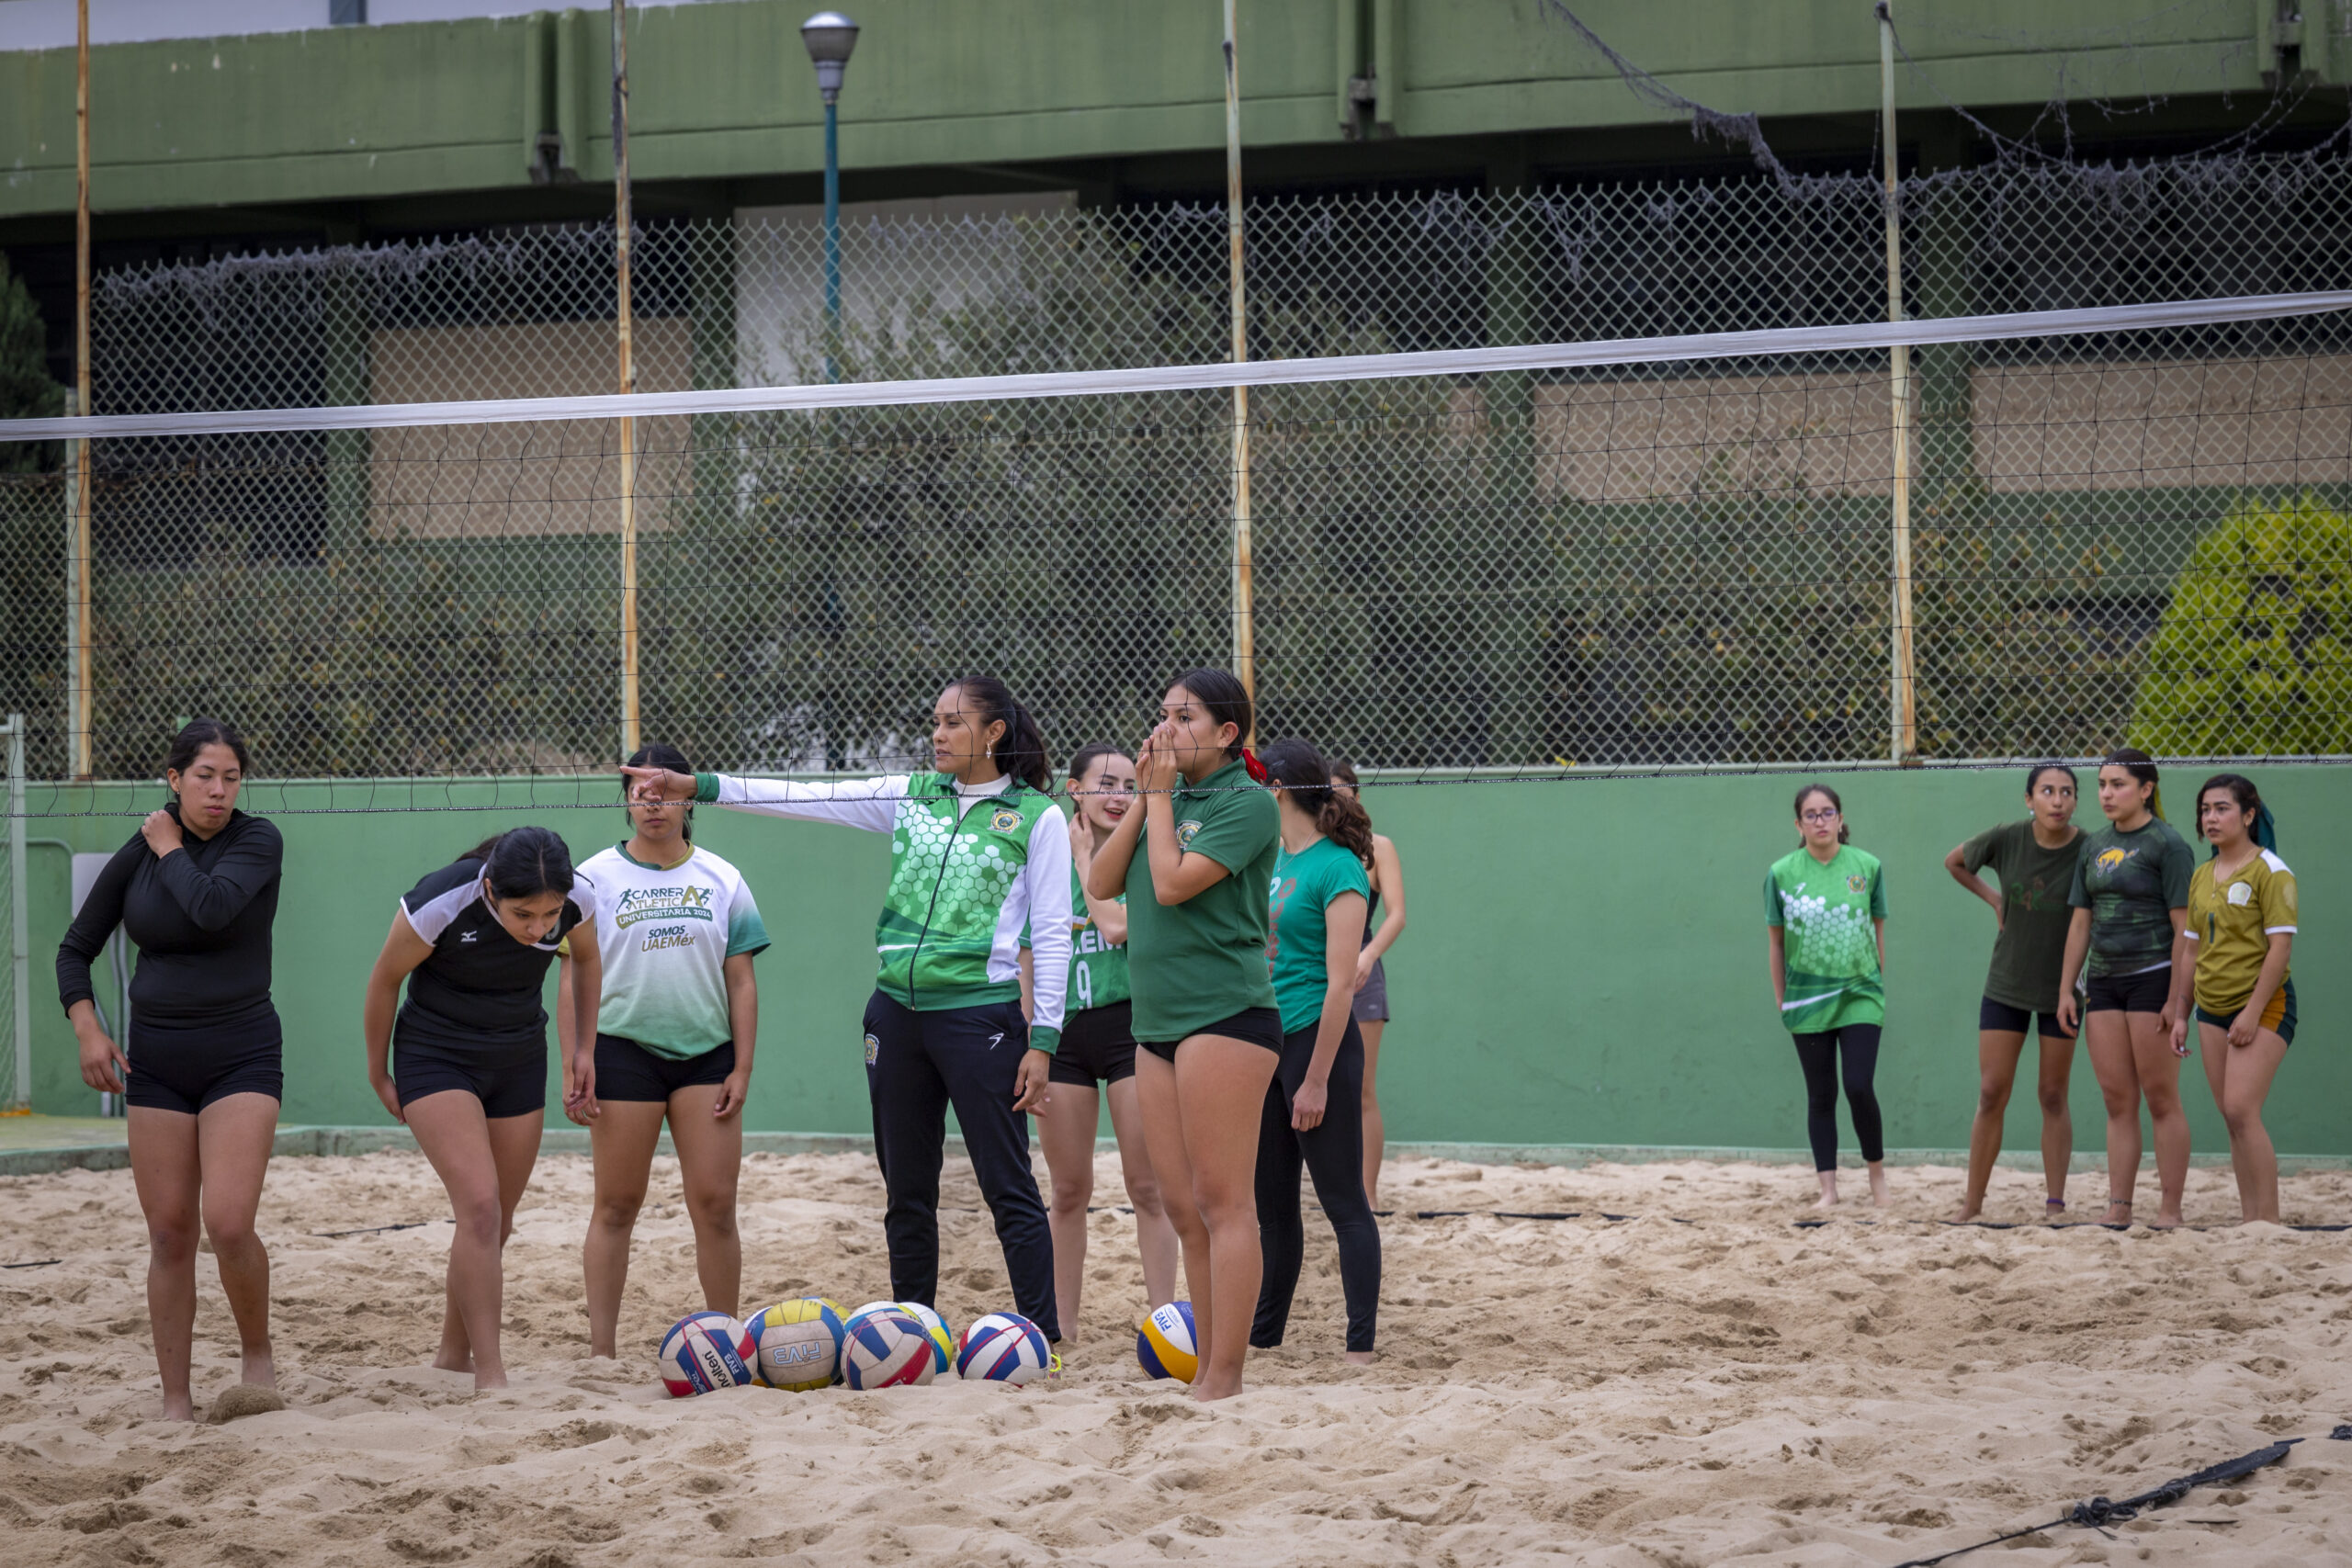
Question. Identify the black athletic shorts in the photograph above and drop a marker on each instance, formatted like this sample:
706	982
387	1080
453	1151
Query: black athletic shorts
2001	1018
186	1071
2145	992
625	1070
1260	1026
2279	1017
1098	1046
508	1082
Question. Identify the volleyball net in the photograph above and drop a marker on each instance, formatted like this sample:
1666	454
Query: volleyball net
2107	527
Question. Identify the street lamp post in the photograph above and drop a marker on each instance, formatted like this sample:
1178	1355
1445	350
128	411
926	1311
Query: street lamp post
829	37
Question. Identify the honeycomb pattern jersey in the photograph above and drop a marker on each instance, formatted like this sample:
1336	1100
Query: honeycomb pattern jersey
1831	947
969	870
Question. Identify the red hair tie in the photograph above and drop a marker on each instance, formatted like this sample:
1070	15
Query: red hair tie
1257	769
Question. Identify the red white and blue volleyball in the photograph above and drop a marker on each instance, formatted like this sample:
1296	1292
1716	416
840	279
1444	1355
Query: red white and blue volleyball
704	1351
1003	1347
887	1348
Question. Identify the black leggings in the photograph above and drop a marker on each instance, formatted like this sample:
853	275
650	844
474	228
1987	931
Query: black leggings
1332	1152
1857	1044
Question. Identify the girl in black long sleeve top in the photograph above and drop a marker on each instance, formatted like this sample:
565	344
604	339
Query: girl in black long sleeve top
196	891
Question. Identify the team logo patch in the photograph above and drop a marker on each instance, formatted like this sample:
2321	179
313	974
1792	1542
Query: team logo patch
2241	894
2108	860
873	1049
1005	819
1858	884
1185	833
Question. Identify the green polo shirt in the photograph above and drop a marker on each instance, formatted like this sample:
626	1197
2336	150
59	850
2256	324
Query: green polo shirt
1198	962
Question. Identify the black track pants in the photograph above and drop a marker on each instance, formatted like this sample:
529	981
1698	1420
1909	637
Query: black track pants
917	1064
1333	1153
1857	1046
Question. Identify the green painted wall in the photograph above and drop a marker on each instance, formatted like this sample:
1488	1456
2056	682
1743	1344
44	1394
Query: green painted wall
1585	964
724	92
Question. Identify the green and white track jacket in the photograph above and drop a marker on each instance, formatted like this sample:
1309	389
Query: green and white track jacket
970	867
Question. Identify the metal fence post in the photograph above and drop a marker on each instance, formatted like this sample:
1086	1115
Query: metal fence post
623	316
1245	639
1903	741
20	961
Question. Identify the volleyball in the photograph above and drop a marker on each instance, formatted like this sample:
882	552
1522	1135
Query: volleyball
706	1350
1003	1347
1164	1343
943	1338
887	1348
798	1344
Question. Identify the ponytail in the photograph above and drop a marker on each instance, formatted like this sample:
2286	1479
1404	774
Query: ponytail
1021	751
1298	769
1226	701
523	863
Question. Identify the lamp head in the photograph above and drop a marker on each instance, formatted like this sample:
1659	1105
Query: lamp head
829	37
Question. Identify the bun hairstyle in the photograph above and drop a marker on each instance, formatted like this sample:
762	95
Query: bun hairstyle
1297	768
661	756
198	733
1226	701
1082	762
2261	825
1808	793
2033	776
1021	751
523	863
2142	767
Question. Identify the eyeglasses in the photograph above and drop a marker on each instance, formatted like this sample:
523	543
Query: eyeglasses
1826	816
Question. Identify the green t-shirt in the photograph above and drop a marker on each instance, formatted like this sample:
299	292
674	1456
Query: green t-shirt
1198	962
2031	947
1098	970
1304	883
1831	948
2130	883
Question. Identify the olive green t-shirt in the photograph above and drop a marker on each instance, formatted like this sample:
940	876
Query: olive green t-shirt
1198	962
2035	915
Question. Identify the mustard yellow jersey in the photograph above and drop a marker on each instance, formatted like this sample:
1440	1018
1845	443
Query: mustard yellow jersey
2232	923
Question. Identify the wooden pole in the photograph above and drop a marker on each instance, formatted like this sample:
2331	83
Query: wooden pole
80	676
1904	683
631	732
1245	651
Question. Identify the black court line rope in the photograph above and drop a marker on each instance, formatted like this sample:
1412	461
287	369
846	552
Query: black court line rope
2097	1513
35	1263
377	1230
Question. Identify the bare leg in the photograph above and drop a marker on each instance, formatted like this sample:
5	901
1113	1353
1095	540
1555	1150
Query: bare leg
1065	1129
1155	1237
2119	1085
1163	1127
1879	1198
1828	1199
1996	1069
167	1171
2159	1072
2057	1116
1221	1085
1375	1126
485	1166
710	1162
2241	1076
621	1141
234	1135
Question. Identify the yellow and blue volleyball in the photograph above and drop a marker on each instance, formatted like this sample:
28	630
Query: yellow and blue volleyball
1003	1347
886	1348
706	1351
1165	1345
797	1344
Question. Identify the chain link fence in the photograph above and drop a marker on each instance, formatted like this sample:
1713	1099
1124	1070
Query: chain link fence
2136	537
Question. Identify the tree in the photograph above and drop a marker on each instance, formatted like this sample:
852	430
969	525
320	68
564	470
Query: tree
2254	654
26	391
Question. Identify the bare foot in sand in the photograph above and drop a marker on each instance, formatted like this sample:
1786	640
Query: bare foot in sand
1879	1200
2165	1220
1969	1209
1359	1358
2118	1212
259	1367
1828	1199
454	1361
179	1407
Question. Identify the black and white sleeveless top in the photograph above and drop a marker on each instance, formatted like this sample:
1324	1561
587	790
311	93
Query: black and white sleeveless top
480	986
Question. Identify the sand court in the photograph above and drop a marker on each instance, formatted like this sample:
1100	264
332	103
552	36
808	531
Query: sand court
1706	1383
